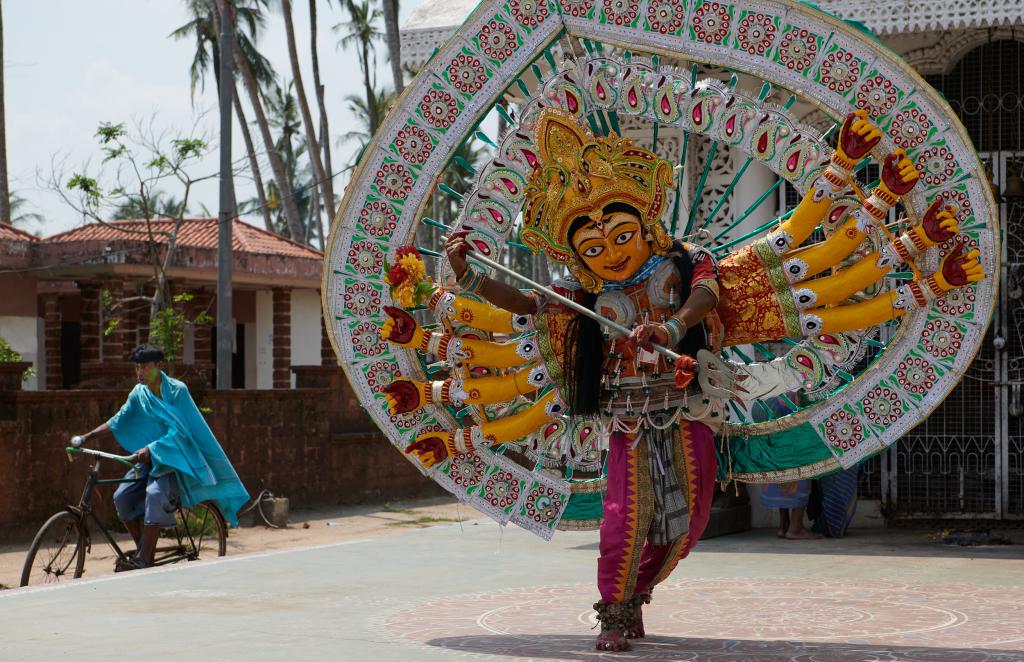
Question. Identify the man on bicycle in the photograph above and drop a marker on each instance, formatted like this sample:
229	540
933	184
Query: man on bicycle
178	456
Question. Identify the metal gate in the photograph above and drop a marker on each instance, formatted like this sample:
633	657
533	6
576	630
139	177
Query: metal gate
967	459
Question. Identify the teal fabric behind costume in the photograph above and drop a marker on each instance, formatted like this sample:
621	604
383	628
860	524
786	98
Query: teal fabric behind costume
797	447
179	440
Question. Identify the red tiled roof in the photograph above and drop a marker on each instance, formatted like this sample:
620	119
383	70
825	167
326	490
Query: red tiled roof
194	233
10	233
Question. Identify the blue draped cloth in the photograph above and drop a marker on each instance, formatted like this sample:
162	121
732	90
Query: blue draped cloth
179	440
786	495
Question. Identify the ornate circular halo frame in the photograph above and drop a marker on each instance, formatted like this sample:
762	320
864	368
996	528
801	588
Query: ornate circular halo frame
612	62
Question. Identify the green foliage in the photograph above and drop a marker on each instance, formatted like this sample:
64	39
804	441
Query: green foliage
109	132
86	185
167	328
9	355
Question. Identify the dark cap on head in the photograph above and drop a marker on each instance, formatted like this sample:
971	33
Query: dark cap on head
147	354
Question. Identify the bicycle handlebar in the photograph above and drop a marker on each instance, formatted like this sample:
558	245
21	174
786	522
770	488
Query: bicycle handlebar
123	459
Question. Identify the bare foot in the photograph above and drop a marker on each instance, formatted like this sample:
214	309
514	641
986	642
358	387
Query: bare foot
781	533
802	534
612	640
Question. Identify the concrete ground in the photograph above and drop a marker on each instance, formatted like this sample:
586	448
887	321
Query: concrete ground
305	529
473	590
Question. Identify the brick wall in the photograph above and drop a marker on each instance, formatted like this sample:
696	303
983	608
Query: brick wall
313	445
282	337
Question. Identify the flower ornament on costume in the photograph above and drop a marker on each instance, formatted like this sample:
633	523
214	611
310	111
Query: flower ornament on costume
410	285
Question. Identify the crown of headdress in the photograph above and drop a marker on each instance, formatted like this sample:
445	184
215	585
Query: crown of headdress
579	175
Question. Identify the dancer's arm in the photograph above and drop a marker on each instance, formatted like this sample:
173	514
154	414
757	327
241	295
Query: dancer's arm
498	293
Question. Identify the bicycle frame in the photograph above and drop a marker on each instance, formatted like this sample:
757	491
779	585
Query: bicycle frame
84	509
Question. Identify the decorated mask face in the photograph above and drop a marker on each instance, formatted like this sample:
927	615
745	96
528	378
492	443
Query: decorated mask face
612	248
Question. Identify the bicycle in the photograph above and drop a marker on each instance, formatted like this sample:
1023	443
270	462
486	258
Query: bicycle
60	547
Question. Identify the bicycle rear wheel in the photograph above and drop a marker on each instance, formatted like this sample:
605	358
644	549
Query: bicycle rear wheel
202	531
57	551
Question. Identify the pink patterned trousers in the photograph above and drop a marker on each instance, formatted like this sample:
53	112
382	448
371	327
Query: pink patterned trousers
628	564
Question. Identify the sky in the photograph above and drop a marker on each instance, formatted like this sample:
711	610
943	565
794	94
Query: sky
70	65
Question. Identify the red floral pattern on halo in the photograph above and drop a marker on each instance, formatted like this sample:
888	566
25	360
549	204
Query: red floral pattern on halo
576	8
942	339
909	128
361	300
916	375
711	22
936	164
529	13
840	71
756	33
844	430
665	16
439	108
882	406
877	95
366	257
621	12
378	219
498	40
798	49
394	180
467	73
414	145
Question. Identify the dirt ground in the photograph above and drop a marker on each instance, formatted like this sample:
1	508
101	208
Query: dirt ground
305	528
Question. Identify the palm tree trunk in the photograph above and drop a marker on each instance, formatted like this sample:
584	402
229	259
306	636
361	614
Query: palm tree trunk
325	140
371	96
394	43
284	185
324	181
312	214
254	166
5	192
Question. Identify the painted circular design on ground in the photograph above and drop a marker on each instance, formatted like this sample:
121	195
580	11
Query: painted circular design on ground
733	619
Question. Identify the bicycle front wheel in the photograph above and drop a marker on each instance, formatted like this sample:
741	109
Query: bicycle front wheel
57	551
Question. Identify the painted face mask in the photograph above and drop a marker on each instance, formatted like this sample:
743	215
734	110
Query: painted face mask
613	248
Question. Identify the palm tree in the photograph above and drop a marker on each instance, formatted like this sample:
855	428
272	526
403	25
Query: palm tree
394	43
19	216
155	204
368	117
277	164
361	31
325	141
203	28
325	183
283	116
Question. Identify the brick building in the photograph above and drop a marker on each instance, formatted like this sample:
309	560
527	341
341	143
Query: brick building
52	312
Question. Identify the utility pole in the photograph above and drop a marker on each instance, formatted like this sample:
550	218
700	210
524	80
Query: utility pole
5	191
226	215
